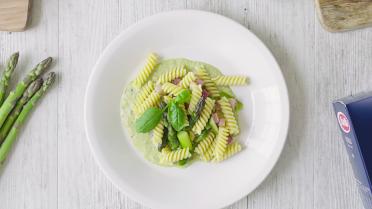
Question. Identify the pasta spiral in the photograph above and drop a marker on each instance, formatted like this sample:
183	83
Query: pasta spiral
172	89
231	150
229	116
166	150
158	133
151	62
196	93
167	99
220	143
230	80
204	116
189	77
151	101
205	144
177	155
208	154
209	84
177	72
144	93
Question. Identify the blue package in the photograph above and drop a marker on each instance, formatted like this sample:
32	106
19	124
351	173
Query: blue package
354	116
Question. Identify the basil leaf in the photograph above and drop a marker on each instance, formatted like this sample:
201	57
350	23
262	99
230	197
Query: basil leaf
177	117
148	120
183	97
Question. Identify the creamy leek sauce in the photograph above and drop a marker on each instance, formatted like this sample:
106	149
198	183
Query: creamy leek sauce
142	141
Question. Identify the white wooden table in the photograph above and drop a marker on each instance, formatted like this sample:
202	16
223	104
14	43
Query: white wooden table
52	166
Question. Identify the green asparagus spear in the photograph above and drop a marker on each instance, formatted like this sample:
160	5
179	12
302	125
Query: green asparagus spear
31	90
13	97
172	138
4	82
9	140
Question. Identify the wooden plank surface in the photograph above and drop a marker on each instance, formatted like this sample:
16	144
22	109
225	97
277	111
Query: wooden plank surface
54	168
29	179
341	15
13	15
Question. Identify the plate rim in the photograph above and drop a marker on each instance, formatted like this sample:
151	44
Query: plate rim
282	82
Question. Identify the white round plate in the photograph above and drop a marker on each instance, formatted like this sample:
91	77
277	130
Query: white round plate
204	37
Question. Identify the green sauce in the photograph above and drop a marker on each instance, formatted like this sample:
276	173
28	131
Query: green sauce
143	141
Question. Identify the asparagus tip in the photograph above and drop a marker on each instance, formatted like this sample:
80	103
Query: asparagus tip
46	62
15	55
13	60
36	84
51	77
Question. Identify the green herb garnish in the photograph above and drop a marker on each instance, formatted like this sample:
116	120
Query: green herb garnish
148	120
183	97
177	117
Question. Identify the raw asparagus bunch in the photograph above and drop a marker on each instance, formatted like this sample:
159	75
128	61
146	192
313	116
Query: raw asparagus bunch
12	135
15	95
4	82
31	90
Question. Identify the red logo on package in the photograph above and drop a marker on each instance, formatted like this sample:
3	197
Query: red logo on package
343	122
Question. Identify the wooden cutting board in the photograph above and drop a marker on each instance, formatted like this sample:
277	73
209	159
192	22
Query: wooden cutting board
13	15
341	15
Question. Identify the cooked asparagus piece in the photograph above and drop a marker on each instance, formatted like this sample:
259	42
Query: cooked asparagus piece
13	97
172	138
31	90
4	82
184	139
9	140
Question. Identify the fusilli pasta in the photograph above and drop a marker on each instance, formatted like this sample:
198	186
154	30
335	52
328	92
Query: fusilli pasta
167	99
151	101
177	155
196	93
177	72
172	89
185	82
230	80
204	116
229	116
144	93
158	133
208	154
209	84
151	62
220	143
231	150
166	150
205	144
200	125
